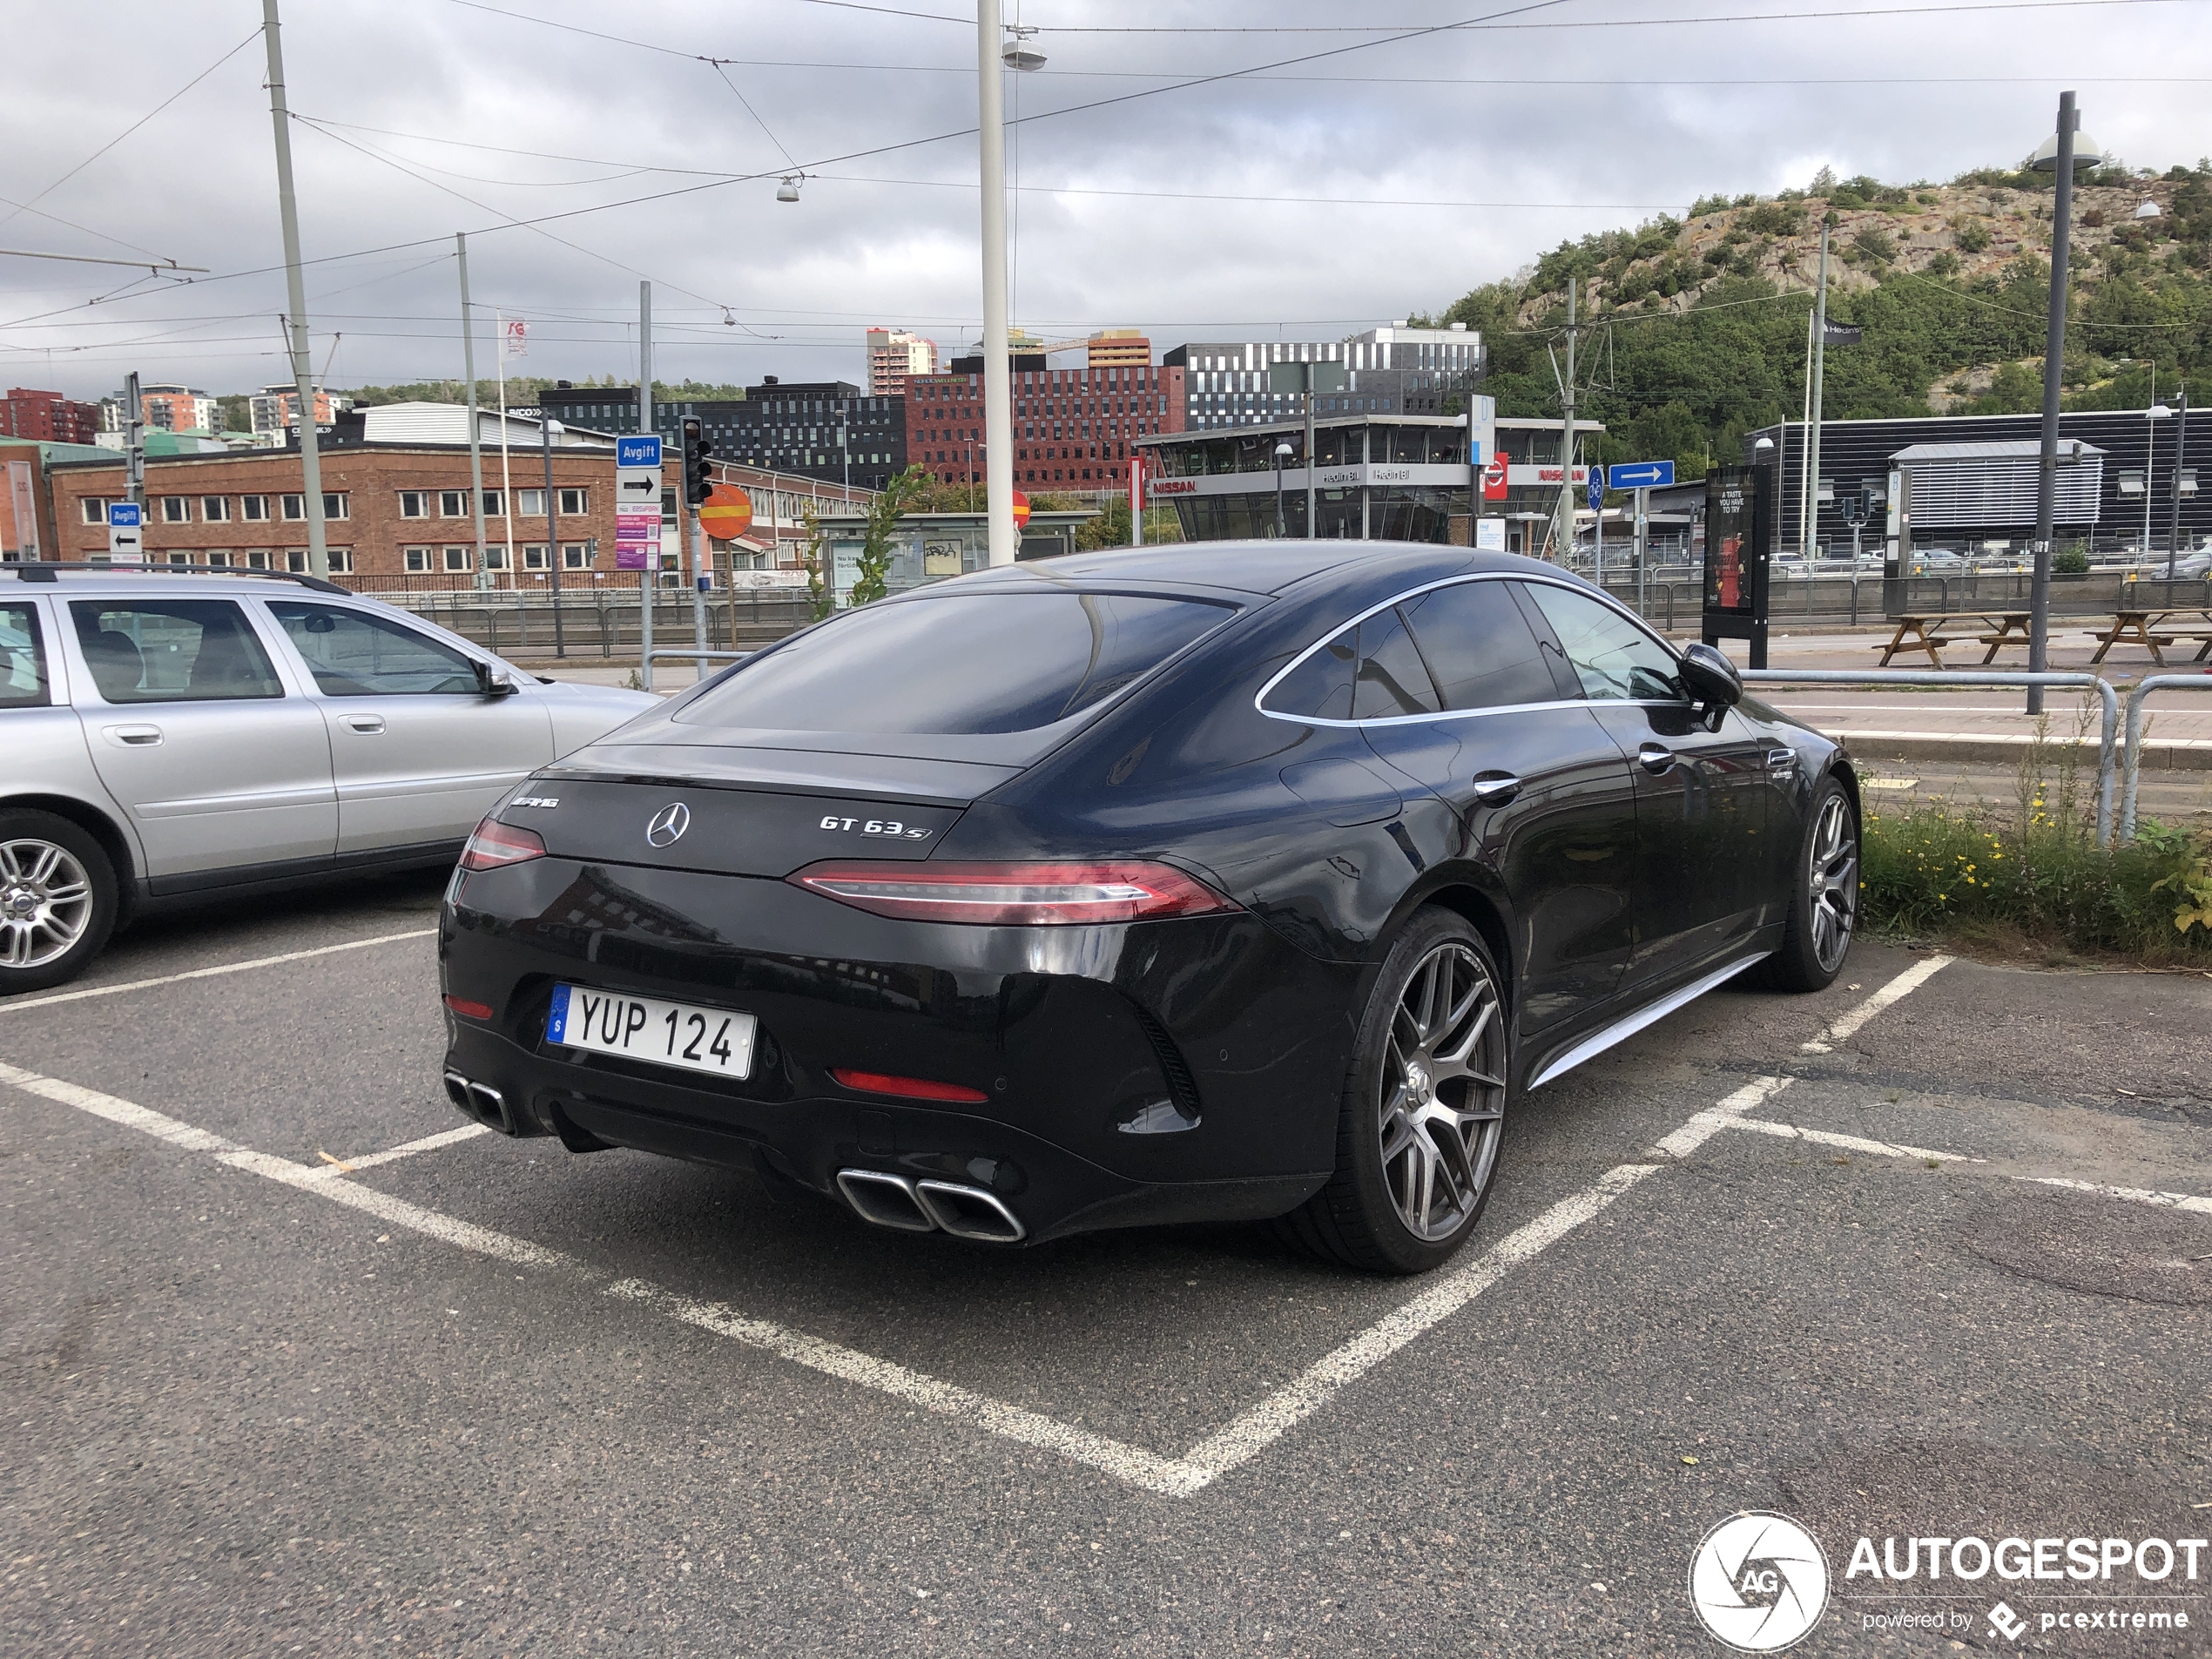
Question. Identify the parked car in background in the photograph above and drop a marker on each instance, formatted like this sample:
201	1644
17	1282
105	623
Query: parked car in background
173	737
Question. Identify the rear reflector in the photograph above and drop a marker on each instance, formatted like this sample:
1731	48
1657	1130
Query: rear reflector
878	1082
468	1010
494	844
1015	895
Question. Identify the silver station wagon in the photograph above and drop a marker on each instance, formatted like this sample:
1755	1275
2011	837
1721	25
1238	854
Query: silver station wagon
170	737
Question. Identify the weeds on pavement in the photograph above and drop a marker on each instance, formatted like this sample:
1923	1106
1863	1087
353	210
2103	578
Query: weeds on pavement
2036	875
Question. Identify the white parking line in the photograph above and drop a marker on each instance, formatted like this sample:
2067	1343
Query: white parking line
1171	1477
1846	1142
331	1170
210	973
1252	1432
2133	1194
1903	986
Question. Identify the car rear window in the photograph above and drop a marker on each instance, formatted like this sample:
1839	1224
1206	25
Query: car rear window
964	663
23	659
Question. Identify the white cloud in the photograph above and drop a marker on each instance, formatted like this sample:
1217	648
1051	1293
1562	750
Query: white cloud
197	183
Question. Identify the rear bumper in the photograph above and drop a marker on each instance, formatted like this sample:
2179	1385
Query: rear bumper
1085	1043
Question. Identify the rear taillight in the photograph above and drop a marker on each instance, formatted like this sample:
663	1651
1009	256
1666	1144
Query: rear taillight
1015	895
496	843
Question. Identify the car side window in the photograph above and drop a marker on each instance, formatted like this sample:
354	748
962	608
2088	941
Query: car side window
1615	660
23	659
1480	647
352	653
171	651
1319	688
1392	678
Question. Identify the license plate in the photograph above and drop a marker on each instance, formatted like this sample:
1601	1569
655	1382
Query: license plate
645	1027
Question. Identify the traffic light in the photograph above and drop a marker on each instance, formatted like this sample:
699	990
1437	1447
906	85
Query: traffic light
698	449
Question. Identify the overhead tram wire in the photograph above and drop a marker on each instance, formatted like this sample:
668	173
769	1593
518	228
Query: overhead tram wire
877	150
118	138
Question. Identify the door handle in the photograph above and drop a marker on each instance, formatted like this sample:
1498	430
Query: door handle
370	724
1495	788
1654	758
135	737
1782	760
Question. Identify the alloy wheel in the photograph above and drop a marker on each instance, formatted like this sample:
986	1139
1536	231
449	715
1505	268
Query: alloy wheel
1831	878
1443	1092
46	903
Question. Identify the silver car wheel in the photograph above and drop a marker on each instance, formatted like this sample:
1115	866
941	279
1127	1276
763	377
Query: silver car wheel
1832	882
46	903
1443	1092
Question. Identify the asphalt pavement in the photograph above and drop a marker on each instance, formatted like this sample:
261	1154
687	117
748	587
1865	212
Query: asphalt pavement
296	1362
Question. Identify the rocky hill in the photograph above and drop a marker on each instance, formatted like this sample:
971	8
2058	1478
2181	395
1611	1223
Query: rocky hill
1696	327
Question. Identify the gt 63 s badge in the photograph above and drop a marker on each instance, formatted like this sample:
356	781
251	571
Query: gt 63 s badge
886	826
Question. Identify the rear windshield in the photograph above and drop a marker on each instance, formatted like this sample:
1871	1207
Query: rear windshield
965	663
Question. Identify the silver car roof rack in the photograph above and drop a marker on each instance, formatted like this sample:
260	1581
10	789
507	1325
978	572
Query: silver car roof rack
51	569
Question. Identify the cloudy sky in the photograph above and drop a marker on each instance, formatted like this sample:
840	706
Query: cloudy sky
1379	176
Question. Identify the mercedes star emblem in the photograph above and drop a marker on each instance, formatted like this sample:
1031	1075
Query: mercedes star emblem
668	825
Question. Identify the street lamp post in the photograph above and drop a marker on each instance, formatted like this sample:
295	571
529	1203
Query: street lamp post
1282	454
2153	415
2059	155
2180	457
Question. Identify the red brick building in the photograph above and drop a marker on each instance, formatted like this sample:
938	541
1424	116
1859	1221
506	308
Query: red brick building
48	416
1072	426
395	513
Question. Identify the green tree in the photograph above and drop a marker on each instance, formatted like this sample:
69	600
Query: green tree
873	566
813	555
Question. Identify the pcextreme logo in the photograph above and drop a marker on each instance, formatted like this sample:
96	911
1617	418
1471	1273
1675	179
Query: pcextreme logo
1759	1581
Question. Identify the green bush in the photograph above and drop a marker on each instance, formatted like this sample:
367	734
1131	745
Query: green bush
2070	561
2037	873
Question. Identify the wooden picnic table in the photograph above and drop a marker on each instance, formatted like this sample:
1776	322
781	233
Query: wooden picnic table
1923	630
2152	629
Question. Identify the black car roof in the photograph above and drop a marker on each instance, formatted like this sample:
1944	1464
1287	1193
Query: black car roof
1261	567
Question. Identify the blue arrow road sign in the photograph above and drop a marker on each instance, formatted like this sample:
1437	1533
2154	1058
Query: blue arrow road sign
1640	474
123	514
637	452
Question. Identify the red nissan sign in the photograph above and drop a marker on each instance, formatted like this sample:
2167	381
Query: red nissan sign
1493	476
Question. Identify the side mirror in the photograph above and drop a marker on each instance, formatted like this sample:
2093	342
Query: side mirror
495	682
1709	677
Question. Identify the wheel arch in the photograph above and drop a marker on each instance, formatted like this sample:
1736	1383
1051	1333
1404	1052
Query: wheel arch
1467	896
100	826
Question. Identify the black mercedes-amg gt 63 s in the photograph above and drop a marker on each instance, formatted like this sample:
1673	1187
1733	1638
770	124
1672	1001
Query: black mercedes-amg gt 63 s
1216	881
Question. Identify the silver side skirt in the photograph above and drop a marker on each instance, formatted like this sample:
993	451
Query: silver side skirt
1590	1047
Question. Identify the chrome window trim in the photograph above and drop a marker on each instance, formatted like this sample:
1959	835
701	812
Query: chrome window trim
1259	699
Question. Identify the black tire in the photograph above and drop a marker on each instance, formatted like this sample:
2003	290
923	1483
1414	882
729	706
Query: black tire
1823	896
58	899
1392	1125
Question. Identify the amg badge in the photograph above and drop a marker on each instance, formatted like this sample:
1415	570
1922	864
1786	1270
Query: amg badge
887	826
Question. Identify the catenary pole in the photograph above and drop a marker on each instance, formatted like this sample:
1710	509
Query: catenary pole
1819	375
296	301
1805	431
2046	476
552	525
648	579
998	392
1564	550
476	437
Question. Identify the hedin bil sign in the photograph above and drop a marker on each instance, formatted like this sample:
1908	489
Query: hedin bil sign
1736	551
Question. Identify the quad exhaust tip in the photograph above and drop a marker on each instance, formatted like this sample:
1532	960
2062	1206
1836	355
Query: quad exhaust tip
481	1102
907	1205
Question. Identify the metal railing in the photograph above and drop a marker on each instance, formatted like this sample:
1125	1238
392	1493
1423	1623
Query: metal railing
2106	695
680	654
2142	690
1858	600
